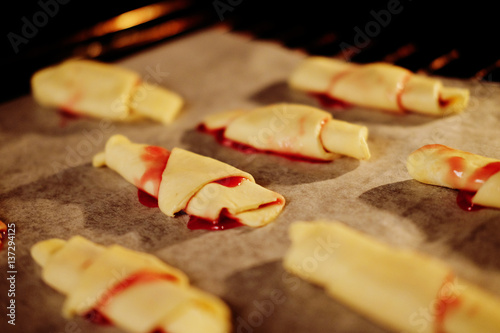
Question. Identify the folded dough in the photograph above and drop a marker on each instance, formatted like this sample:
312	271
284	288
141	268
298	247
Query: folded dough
400	289
444	166
135	291
3	232
104	91
378	85
199	185
291	129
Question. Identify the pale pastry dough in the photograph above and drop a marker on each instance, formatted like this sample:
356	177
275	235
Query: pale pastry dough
135	291
444	166
103	91
292	129
378	85
390	286
182	180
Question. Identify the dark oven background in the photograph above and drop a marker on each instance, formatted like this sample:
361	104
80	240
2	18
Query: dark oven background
453	39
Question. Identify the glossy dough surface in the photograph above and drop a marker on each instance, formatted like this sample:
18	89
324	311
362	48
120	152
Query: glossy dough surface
388	285
103	91
182	180
378	85
292	129
135	291
444	166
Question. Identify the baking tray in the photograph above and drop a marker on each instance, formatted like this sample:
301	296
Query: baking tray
49	188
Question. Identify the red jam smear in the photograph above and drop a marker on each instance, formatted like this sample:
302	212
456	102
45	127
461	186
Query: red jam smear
224	222
327	101
3	232
218	134
445	302
464	201
96	315
156	159
443	103
480	176
472	183
147	199
66	116
230	181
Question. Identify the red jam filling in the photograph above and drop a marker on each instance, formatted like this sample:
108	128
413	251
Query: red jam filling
96	315
218	134
472	183
464	201
445	302
224	222
327	101
230	181
156	159
443	103
147	199
3	232
66	116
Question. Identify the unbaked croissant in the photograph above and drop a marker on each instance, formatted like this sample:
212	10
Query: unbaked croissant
198	185
402	290
293	130
378	85
103	91
444	166
135	291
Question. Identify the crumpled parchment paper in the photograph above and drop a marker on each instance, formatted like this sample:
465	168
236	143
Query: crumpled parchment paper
48	188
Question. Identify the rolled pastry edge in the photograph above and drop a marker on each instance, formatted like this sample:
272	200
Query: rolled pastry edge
345	139
335	257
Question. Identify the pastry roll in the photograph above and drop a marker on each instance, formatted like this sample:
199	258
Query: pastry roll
402	290
378	85
103	91
3	232
290	129
444	166
135	291
202	187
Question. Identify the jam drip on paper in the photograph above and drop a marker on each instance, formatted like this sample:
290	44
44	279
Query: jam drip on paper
327	101
147	199
96	315
224	222
470	185
66	116
218	134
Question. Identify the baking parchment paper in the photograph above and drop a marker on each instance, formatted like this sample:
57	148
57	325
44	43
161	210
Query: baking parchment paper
48	188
